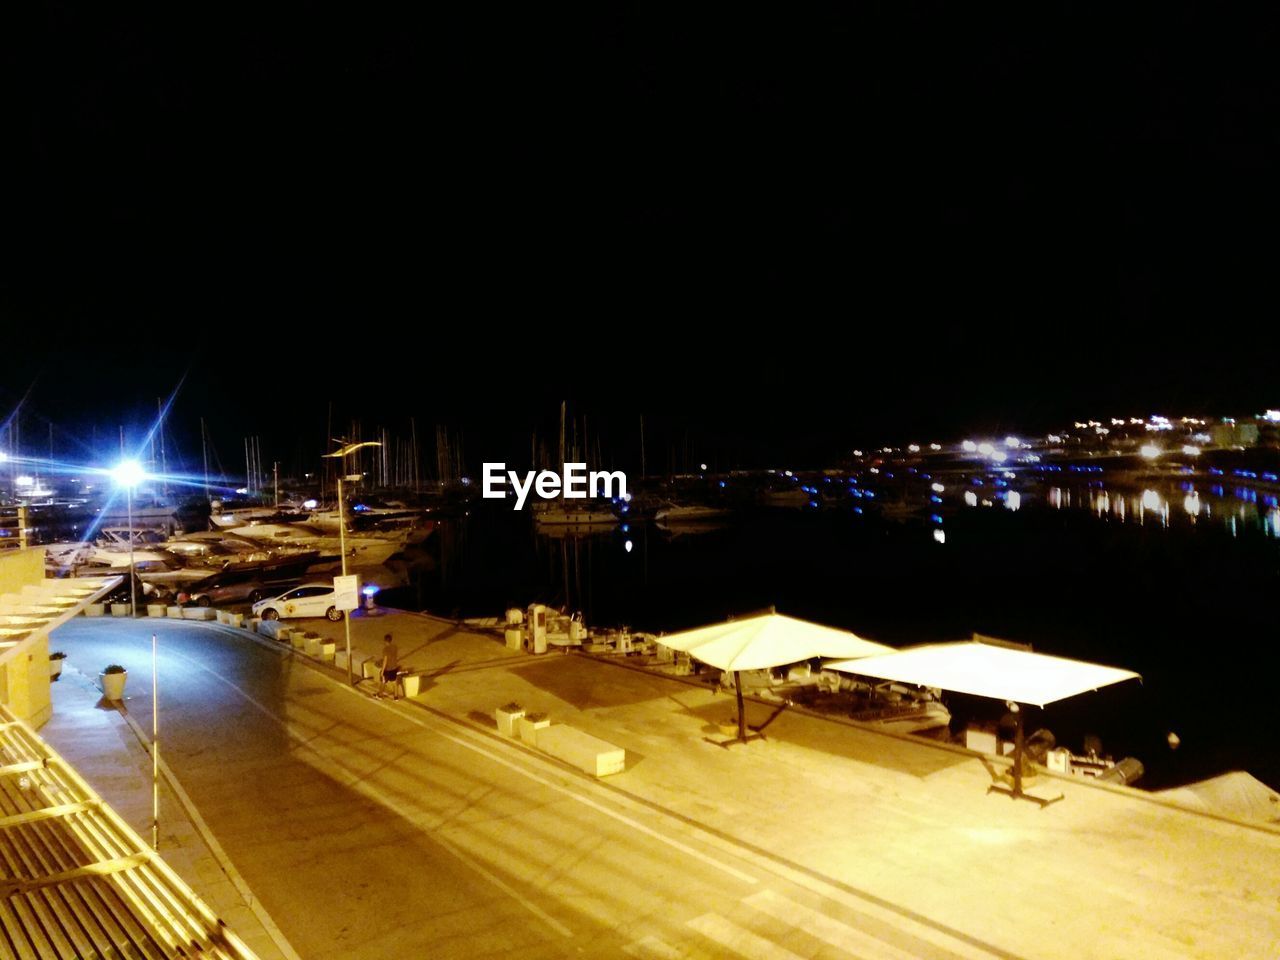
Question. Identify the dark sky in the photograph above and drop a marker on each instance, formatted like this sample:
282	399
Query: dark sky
781	232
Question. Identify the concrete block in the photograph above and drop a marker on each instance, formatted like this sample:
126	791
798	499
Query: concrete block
155	610
514	637
235	619
328	650
255	624
983	741
508	717
222	616
198	613
120	609
296	638
175	613
311	645
340	660
591	754
94	609
530	724
370	668
412	683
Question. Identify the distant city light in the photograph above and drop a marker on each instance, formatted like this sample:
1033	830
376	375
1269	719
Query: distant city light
913	447
1191	451
986	449
937	488
1272	415
969	446
1151	500
1054	438
1013	500
1012	442
309	504
1150	451
970	498
628	546
703	466
940	535
1192	504
999	456
935	446
24	481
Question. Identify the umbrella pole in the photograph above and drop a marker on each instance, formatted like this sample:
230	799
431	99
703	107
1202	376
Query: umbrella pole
1017	751
742	717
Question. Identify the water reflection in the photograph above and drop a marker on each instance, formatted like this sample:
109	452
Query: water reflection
1238	510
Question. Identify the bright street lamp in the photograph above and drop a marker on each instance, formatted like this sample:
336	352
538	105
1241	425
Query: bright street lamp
342	453
129	474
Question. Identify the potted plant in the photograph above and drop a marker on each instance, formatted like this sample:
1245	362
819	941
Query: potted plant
112	680
55	664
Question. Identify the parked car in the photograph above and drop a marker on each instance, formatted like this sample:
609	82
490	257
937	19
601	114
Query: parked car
244	586
308	600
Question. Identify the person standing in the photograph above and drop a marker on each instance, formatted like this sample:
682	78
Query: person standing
390	670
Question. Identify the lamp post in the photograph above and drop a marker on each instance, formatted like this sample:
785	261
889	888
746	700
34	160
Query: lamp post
129	474
343	453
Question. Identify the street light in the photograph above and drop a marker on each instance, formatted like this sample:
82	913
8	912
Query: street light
343	453
129	474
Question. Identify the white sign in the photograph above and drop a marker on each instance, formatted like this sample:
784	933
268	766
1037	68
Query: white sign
347	592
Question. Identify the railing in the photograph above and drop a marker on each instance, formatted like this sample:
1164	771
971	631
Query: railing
14	532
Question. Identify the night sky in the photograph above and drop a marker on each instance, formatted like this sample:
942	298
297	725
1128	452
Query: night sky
779	234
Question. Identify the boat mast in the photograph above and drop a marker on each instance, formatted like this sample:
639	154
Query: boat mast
204	450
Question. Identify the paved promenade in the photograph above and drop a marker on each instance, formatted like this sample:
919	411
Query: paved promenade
899	831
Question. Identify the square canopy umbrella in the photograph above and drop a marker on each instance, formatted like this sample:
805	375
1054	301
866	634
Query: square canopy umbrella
766	640
1001	673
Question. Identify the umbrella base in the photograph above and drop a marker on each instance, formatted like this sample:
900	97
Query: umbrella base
732	740
1015	794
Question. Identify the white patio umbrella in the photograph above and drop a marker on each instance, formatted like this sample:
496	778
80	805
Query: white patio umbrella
765	640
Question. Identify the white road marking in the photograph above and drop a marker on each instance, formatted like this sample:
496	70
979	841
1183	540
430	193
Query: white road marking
824	928
652	948
739	940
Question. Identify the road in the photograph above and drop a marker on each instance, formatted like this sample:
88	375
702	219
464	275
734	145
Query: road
371	829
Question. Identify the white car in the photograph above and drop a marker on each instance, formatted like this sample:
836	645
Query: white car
308	600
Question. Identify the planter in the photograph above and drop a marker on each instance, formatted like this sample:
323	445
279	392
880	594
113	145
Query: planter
95	609
328	650
113	685
175	613
155	610
55	667
412	683
120	609
235	620
530	724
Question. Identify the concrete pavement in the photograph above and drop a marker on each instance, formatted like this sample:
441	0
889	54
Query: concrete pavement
106	750
880	829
